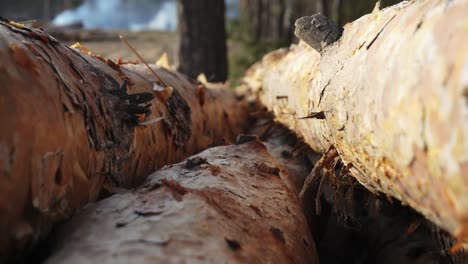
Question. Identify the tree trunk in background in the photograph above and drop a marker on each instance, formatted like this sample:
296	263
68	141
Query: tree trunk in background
351	10
202	39
267	20
339	11
392	92
273	20
21	10
46	15
67	129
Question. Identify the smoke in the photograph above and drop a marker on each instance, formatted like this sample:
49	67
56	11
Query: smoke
122	14
165	19
128	14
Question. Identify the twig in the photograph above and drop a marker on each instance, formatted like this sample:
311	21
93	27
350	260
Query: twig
124	40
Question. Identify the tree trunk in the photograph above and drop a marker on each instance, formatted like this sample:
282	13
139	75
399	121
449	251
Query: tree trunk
339	11
69	127
46	16
392	92
267	20
202	39
233	204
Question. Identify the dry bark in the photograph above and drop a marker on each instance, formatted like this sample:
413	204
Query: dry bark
67	128
233	204
393	95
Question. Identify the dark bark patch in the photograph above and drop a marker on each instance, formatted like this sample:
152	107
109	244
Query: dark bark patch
232	244
241	139
278	234
267	169
194	162
176	189
147	213
257	210
215	170
180	118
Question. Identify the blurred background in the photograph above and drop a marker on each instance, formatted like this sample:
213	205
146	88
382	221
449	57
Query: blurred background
183	28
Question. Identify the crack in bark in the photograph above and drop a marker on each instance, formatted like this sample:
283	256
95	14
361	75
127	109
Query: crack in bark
322	93
418	26
423	126
381	30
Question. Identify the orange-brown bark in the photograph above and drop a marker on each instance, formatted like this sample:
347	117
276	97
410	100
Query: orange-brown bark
66	130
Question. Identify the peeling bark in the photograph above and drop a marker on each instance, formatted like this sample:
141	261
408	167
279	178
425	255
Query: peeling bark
233	204
69	127
392	94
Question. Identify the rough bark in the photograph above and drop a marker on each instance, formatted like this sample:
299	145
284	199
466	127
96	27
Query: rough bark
202	47
66	129
233	204
393	95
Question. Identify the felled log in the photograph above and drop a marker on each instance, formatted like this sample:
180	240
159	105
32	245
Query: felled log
232	204
70	125
391	97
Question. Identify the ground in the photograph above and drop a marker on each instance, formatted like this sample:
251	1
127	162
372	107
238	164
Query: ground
151	45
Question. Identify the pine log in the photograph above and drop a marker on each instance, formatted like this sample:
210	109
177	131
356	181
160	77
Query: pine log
232	204
68	127
391	97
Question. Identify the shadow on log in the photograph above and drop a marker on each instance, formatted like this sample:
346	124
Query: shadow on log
352	225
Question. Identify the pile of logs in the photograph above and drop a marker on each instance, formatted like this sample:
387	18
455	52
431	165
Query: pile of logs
393	94
355	155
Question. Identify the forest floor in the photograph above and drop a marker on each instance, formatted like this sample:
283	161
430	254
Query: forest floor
151	45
